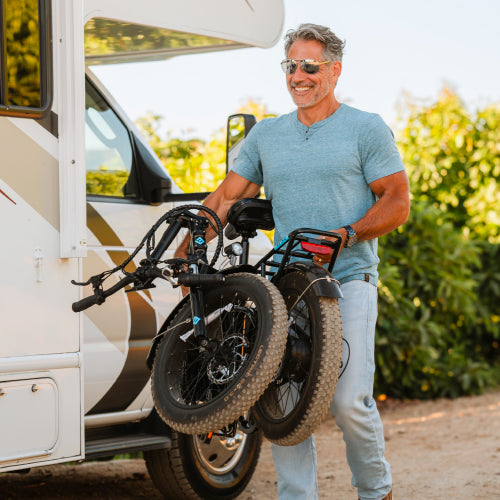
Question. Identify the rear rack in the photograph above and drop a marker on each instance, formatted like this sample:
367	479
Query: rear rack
290	248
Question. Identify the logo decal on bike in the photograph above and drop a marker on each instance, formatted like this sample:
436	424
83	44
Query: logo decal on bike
196	320
199	240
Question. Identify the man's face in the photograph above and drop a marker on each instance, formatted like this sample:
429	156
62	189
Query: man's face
309	90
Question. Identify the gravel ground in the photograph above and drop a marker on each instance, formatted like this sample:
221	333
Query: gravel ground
444	449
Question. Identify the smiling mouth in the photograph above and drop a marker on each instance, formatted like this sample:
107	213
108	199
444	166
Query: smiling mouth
300	88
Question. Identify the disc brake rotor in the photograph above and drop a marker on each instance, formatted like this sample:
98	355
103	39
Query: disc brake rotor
228	360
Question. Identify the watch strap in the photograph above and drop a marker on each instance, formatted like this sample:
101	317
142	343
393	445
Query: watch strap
351	236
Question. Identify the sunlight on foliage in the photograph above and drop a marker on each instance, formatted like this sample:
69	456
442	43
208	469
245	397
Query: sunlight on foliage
23	61
194	165
453	160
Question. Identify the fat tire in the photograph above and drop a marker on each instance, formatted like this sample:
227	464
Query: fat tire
317	388
221	403
179	473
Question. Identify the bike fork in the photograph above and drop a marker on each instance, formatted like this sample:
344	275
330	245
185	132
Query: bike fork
198	315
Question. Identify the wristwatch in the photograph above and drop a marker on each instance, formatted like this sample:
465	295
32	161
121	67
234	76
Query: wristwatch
352	239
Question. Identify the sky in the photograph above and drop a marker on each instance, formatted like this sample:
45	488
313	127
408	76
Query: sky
394	48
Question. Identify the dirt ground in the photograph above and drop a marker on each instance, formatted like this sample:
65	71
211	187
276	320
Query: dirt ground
445	449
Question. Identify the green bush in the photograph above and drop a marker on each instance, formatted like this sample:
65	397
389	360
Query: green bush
428	302
438	328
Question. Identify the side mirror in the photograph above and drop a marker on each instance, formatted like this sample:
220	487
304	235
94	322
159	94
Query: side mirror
238	127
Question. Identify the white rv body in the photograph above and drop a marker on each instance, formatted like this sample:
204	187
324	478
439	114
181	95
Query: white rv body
62	372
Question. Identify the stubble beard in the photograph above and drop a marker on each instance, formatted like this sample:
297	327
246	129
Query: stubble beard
316	98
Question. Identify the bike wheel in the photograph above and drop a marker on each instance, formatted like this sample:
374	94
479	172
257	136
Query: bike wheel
299	397
216	468
196	389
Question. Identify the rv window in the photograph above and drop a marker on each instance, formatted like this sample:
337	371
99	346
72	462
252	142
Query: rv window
24	57
108	148
108	42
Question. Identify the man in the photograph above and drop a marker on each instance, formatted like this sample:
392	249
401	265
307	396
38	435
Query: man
329	166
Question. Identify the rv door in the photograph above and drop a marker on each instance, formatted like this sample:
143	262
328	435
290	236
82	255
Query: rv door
42	207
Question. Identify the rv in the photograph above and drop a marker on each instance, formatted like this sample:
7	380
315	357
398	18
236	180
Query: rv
79	187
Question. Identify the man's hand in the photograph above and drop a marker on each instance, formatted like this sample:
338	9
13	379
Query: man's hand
233	188
389	211
325	259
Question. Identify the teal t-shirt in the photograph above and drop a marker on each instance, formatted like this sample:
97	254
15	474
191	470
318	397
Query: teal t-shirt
318	176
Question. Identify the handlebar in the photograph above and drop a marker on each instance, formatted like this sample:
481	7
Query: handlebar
99	298
200	280
147	272
186	279
85	303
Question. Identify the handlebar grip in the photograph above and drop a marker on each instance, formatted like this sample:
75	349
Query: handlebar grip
188	279
85	303
91	300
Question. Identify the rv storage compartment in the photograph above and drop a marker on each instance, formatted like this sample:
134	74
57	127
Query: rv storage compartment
33	404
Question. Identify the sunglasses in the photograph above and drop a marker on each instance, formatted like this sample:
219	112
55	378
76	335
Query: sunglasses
311	66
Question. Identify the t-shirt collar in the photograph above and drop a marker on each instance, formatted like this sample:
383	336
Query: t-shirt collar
302	128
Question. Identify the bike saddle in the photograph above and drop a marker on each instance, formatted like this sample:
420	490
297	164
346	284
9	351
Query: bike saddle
248	215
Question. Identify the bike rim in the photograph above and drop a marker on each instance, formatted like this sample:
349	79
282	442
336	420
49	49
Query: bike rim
195	376
289	386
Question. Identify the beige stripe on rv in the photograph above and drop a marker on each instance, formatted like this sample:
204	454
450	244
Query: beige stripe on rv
30	171
112	320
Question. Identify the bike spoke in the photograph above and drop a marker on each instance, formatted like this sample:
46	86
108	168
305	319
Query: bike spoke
202	380
285	393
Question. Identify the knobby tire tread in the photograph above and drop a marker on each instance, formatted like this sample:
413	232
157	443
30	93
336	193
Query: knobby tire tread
314	406
326	380
273	347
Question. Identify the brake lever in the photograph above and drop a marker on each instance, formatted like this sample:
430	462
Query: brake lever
95	281
177	262
143	277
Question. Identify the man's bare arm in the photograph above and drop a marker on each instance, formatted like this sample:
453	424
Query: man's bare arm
390	211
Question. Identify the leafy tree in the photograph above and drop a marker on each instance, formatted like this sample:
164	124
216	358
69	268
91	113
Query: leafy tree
454	162
438	327
256	108
23	52
106	182
195	165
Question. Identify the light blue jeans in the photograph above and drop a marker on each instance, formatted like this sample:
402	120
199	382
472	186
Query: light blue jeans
354	410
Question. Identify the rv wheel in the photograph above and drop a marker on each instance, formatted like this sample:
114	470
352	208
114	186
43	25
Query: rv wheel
210	468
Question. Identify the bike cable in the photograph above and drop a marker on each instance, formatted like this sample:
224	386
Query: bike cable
342	366
149	240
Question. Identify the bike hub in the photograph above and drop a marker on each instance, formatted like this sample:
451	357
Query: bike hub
297	358
227	360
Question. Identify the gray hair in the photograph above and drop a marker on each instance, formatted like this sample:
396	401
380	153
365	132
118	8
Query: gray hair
333	46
